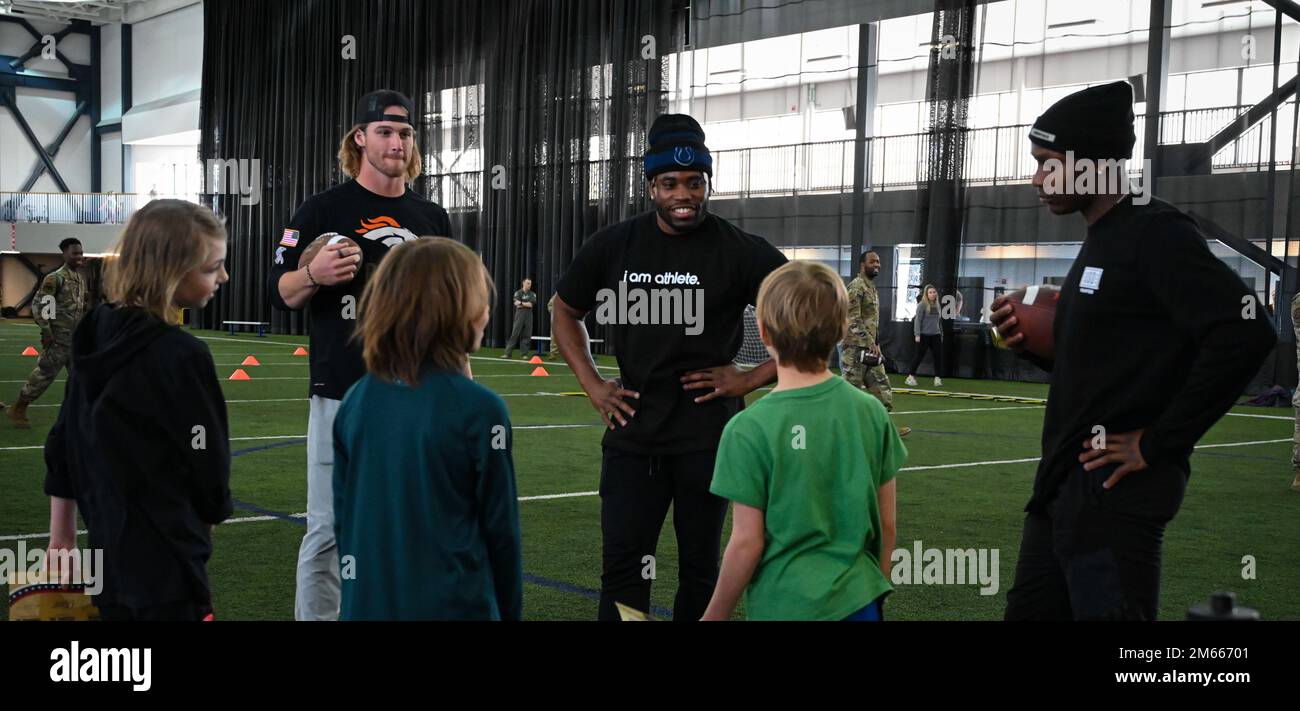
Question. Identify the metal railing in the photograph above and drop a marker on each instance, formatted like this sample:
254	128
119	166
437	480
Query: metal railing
994	155
75	208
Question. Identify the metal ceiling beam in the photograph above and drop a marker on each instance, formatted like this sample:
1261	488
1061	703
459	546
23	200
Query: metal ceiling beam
10	102
52	150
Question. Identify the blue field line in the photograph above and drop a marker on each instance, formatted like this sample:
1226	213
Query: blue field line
528	577
261	447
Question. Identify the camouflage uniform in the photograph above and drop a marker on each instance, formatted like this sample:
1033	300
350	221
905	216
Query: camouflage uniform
57	308
864	325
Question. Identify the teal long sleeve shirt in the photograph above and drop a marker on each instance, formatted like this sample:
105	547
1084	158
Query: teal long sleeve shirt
425	507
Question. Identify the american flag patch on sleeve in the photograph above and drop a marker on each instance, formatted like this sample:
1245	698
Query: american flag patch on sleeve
290	238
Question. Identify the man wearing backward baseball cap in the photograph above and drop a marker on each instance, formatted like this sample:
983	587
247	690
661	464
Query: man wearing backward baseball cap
376	211
1152	347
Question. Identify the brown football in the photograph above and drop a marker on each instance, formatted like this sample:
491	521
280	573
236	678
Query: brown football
1035	310
319	243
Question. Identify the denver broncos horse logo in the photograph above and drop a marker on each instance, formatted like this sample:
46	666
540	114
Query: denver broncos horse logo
386	231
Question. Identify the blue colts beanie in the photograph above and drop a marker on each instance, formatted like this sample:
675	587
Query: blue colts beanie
676	143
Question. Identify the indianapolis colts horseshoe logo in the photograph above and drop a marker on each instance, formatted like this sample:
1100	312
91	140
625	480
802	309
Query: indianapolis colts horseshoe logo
684	155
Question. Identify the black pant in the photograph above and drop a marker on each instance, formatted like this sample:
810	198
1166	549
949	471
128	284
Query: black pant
521	333
635	492
934	344
1094	554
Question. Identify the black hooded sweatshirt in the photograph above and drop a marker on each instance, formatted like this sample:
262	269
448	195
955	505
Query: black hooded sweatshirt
142	444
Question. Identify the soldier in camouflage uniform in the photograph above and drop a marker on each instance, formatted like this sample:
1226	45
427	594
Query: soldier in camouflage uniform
1295	399
864	325
57	308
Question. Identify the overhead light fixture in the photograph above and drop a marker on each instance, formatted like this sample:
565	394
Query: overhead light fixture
1220	3
827	58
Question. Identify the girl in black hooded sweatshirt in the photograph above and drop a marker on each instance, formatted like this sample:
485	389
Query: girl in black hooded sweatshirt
141	444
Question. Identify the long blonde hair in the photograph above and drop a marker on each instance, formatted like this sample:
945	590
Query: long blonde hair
162	242
419	309
931	305
350	155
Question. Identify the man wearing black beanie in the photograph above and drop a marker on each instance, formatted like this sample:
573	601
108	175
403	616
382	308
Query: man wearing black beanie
672	284
1138	376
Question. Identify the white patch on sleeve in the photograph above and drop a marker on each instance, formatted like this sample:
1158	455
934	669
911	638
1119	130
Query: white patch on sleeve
1091	280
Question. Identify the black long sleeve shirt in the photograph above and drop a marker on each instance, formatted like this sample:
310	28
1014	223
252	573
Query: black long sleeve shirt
1152	332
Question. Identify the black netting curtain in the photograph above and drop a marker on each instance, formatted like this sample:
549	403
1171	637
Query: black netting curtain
531	119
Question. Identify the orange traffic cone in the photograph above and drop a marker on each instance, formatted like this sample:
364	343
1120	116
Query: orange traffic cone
301	351
30	352
540	372
251	360
239	374
535	360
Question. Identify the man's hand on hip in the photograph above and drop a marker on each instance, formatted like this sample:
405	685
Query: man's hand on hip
722	381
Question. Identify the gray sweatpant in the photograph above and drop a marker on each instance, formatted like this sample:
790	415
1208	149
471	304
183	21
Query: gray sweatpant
318	593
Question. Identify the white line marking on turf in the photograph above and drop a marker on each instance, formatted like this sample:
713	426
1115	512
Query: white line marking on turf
543	497
242	519
267	437
909	391
1262	417
969	464
579	494
968	409
499	359
1244	444
263	341
228	402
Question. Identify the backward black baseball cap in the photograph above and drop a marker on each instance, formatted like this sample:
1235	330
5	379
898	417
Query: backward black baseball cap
370	108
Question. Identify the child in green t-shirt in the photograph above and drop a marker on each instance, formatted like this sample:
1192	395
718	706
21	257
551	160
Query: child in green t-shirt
810	469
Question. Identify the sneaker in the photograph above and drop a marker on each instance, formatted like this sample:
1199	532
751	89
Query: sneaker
1295	485
505	355
910	381
904	431
938	382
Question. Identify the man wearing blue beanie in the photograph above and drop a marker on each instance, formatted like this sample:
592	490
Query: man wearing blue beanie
1152	347
672	284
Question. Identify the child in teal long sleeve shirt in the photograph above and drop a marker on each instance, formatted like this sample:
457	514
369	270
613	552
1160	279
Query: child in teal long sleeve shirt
426	515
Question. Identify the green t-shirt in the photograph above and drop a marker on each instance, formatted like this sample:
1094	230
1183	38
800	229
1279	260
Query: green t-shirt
812	459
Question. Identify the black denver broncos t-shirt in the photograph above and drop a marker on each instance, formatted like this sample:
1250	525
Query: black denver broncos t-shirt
375	222
676	304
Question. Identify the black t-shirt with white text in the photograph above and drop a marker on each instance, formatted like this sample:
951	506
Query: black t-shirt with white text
675	304
375	222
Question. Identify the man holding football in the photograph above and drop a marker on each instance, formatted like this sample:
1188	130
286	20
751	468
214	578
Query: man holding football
1137	376
374	211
